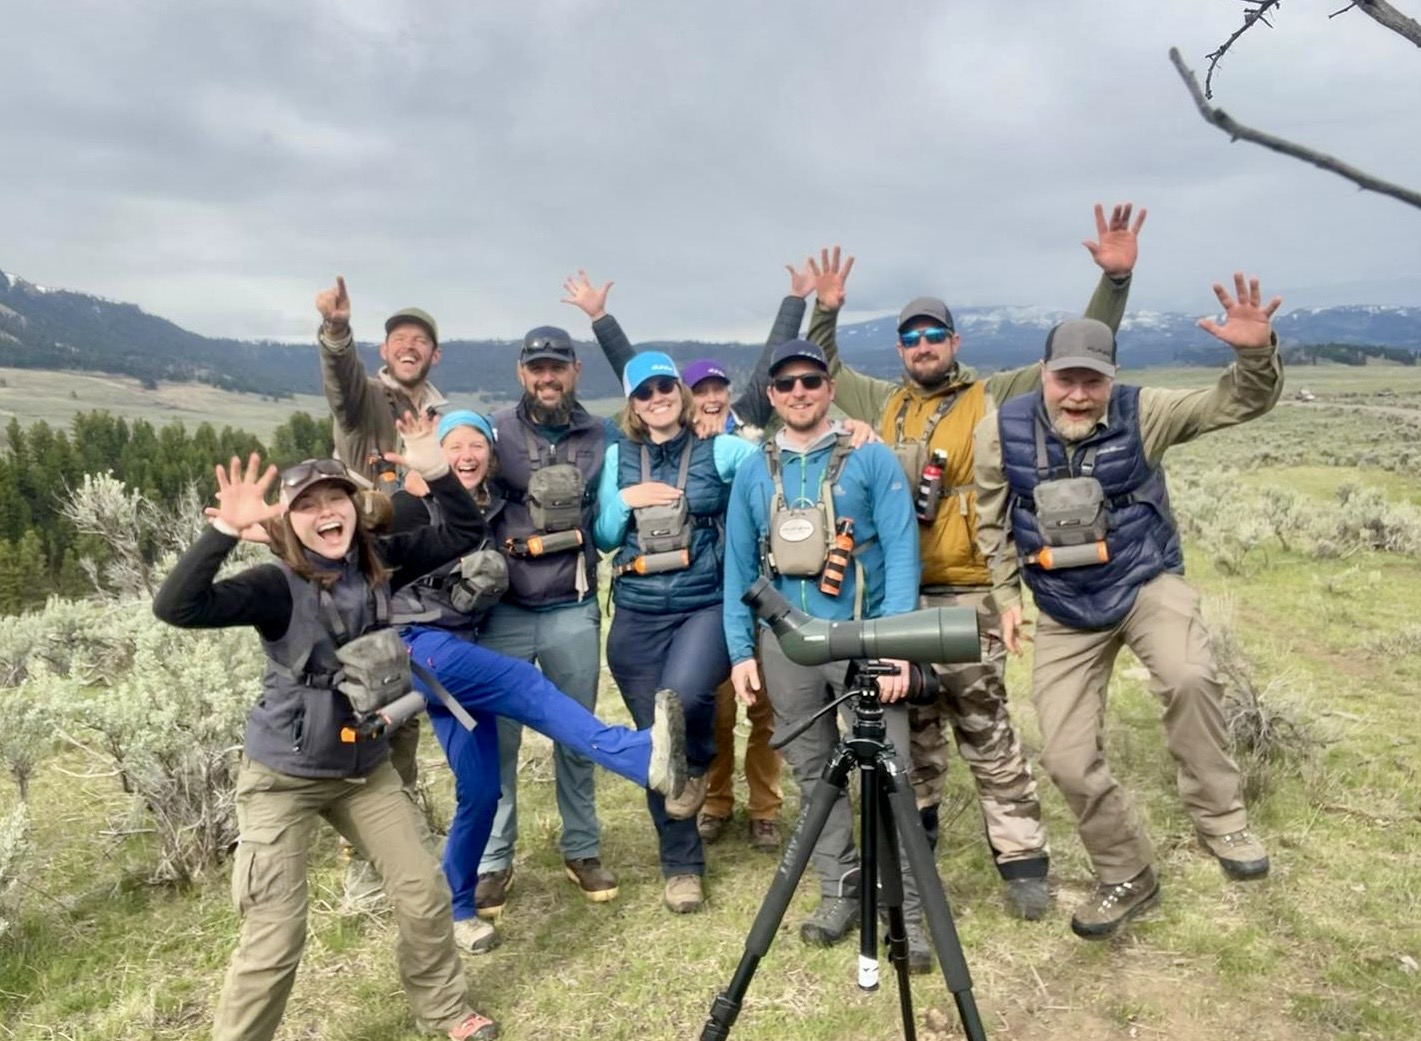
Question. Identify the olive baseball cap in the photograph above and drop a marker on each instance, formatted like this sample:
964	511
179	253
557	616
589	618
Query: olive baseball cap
413	315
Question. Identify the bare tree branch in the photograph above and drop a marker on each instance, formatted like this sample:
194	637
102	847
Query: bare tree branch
1238	131
1383	13
1251	17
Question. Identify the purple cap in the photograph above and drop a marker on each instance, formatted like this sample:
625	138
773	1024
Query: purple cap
703	369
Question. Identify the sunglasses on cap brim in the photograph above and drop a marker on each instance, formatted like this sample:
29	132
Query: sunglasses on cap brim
308	469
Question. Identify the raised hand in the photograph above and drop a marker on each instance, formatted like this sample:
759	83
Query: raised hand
334	305
241	495
581	293
422	453
801	280
1117	243
255	533
1246	323
829	278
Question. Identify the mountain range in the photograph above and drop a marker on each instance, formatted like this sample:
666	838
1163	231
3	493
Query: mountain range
44	328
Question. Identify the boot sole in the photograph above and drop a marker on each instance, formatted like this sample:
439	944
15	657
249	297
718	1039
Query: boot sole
596	896
493	912
1106	930
668	731
1247	871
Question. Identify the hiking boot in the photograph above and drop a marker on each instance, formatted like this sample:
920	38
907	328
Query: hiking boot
683	894
765	835
929	816
597	883
1111	906
491	893
831	921
688	803
475	936
474	1028
1242	856
709	826
363	892
920	951
667	772
1028	898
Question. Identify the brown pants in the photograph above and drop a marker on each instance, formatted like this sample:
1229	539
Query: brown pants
973	709
762	763
276	817
1165	630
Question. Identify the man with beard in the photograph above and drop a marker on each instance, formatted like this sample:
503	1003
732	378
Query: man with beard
364	407
928	419
807	480
550	452
1073	502
363	411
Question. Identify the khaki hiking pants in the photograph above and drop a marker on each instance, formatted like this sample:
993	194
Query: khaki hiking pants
762	763
1165	630
973	707
276	816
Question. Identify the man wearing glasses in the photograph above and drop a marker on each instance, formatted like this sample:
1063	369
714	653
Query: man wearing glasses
928	419
805	482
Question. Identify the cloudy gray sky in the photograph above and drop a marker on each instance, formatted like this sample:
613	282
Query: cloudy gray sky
218	163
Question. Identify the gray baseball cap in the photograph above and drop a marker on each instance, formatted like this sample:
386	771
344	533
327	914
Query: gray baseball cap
1081	343
926	307
413	315
547	341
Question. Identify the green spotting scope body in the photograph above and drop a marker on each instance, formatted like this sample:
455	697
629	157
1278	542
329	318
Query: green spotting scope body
938	634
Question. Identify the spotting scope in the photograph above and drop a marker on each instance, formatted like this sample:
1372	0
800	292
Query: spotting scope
938	634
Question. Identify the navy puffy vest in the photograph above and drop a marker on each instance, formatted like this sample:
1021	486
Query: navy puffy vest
699	585
1141	538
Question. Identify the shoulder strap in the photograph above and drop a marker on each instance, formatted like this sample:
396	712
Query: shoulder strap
772	463
843	448
943	408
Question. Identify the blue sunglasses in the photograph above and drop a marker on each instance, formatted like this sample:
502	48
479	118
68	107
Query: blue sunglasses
937	334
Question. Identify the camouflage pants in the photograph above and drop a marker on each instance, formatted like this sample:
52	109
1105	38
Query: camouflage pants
973	706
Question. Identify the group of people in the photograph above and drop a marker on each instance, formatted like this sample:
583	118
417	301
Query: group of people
940	489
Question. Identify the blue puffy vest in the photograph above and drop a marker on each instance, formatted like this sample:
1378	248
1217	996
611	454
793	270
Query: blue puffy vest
707	495
1141	537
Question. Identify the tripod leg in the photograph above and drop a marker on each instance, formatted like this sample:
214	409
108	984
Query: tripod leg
869	829
890	881
726	1007
936	912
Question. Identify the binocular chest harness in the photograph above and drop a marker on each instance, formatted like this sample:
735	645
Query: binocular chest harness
555	497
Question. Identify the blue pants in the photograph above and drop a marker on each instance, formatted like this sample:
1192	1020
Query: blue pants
685	653
488	685
567	642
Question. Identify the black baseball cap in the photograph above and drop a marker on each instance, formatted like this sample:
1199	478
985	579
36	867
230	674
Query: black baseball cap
547	341
1081	343
797	350
926	307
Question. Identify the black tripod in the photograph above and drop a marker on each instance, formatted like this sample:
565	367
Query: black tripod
887	812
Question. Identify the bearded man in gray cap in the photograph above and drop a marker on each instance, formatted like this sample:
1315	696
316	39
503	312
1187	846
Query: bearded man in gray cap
1072	501
549	451
928	419
364	407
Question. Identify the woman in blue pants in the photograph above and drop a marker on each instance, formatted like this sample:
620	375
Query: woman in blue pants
661	504
440	615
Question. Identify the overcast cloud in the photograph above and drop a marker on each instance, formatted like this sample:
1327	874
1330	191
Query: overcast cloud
220	168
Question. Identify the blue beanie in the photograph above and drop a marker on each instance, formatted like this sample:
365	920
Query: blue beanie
463	417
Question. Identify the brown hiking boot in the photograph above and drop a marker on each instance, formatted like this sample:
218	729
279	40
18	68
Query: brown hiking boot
474	1028
765	835
693	796
1242	856
709	826
491	893
597	883
684	894
1112	905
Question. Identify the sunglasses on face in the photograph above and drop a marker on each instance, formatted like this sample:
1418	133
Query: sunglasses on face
808	380
659	385
937	334
308	468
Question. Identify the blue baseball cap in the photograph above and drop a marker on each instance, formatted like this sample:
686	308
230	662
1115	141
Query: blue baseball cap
797	350
645	366
703	369
463	417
